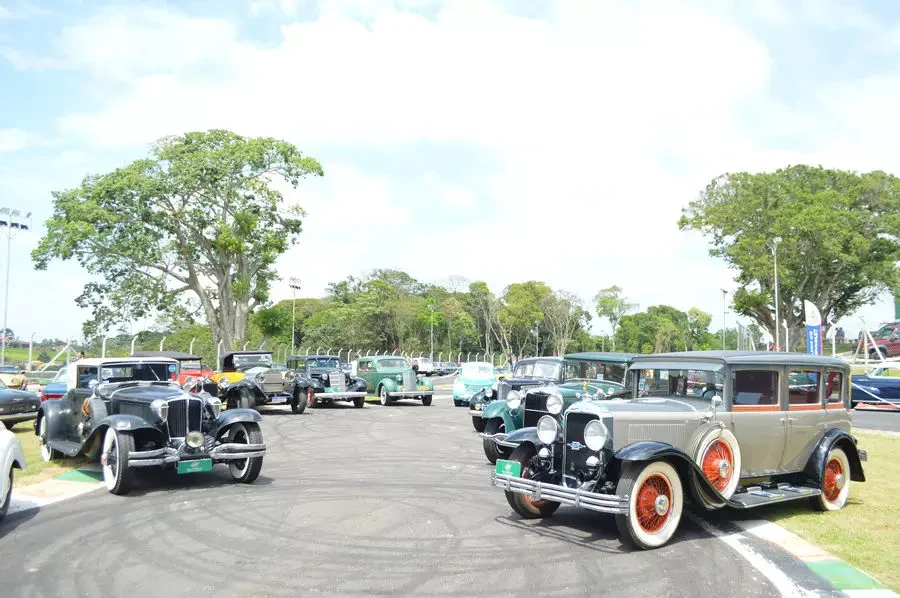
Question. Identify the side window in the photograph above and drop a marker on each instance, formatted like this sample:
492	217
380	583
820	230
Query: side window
754	388
833	387
85	375
803	387
362	366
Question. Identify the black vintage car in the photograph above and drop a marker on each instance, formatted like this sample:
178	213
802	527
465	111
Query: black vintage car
130	412
17	405
321	379
249	379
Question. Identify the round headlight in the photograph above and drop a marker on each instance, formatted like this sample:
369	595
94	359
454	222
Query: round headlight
399	378
547	429
554	403
513	399
595	435
160	408
216	406
488	393
194	439
224	382
260	378
289	374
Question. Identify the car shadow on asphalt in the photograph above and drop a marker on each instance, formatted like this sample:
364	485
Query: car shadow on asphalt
14	520
151	481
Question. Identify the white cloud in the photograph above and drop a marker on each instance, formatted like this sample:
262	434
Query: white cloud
15	139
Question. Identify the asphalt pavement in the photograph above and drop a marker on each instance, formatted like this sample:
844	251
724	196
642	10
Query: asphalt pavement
888	421
381	500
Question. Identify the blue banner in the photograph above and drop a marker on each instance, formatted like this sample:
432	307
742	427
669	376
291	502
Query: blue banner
814	340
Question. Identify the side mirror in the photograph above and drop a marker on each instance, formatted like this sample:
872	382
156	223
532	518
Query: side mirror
716	401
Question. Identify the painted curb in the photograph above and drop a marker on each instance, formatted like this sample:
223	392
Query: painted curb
63	487
840	574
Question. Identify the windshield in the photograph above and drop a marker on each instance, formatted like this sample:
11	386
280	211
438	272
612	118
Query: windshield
594	370
8	369
392	363
245	362
538	369
144	372
191	364
60	375
323	362
699	384
477	370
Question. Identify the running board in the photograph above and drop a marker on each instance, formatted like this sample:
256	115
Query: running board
66	447
756	496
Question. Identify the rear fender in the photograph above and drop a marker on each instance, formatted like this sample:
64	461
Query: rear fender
835	437
59	419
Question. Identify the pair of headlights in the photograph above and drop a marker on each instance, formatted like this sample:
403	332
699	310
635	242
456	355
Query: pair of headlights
595	433
554	401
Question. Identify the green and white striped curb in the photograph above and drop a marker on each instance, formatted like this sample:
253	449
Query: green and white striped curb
840	574
64	486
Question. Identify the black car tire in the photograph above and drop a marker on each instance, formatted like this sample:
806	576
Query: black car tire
491	450
298	404
478	423
383	397
245	471
5	506
359	402
874	354
644	527
426	401
522	503
457	403
117	445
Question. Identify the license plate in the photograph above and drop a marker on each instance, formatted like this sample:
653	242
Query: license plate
510	468
424	388
195	466
331	390
278	400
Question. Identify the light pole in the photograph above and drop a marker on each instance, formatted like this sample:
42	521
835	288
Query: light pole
431	355
294	283
536	331
775	243
724	313
11	221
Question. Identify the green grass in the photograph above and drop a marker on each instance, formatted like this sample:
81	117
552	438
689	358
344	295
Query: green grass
38	470
866	532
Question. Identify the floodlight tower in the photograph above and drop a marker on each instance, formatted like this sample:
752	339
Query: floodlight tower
11	223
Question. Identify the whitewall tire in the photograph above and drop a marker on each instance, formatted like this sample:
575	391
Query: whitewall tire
835	483
656	499
719	458
114	460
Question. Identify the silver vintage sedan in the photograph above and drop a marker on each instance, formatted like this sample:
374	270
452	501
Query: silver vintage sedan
720	428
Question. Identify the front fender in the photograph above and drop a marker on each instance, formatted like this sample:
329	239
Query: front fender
389	384
244	386
233	416
58	414
527	435
357	385
425	382
500	410
835	437
12	448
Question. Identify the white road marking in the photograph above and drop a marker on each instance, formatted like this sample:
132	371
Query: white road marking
737	541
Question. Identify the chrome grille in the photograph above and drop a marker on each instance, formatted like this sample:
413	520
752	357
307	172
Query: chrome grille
574	461
535	408
409	380
336	380
502	390
184	416
272	382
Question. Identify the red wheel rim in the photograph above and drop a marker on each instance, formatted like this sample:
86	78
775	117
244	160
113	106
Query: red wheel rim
718	464
537	504
831	487
309	397
649	503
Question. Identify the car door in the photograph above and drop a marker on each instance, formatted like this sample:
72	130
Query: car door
892	344
758	419
805	417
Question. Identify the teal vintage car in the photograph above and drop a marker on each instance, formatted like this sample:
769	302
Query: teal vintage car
473	377
391	378
541	386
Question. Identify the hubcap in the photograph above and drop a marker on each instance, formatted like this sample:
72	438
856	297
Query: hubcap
724	468
661	506
839	481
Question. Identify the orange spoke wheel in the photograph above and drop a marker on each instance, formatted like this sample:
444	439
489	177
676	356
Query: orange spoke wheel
718	464
833	480
654	503
537	504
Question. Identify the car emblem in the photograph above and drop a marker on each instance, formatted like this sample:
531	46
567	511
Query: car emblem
575	445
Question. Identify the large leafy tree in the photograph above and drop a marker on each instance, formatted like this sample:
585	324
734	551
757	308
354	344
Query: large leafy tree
609	303
840	239
195	227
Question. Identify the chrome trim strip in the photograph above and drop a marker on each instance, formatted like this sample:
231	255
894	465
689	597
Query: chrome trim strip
505	443
497	436
473	413
235	456
339	395
411	393
603	503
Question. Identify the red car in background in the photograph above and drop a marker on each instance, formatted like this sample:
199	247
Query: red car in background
189	366
887	341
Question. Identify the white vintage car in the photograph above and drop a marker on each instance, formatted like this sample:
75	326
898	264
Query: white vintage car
11	457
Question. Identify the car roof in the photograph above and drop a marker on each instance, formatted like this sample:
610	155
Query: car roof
247	353
177	355
744	357
94	361
546	358
312	356
603	356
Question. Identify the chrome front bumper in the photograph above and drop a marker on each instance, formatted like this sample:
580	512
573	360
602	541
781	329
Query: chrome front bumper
411	393
604	503
224	452
339	395
475	413
499	438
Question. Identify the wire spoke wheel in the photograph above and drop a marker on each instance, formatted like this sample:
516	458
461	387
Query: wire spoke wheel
833	480
653	503
718	464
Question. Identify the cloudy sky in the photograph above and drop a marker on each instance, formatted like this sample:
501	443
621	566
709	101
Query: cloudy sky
502	141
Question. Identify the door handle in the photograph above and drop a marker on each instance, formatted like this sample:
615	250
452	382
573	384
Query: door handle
787	419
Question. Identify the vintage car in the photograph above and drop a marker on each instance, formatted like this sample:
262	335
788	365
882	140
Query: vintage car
56	388
189	368
422	365
129	413
723	429
879	389
511	406
11	457
473	377
391	378
249	379
321	379
11	376
233	366
17	405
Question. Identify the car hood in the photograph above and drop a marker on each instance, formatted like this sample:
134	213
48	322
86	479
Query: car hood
18	396
477	381
518	383
390	371
878	381
142	392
